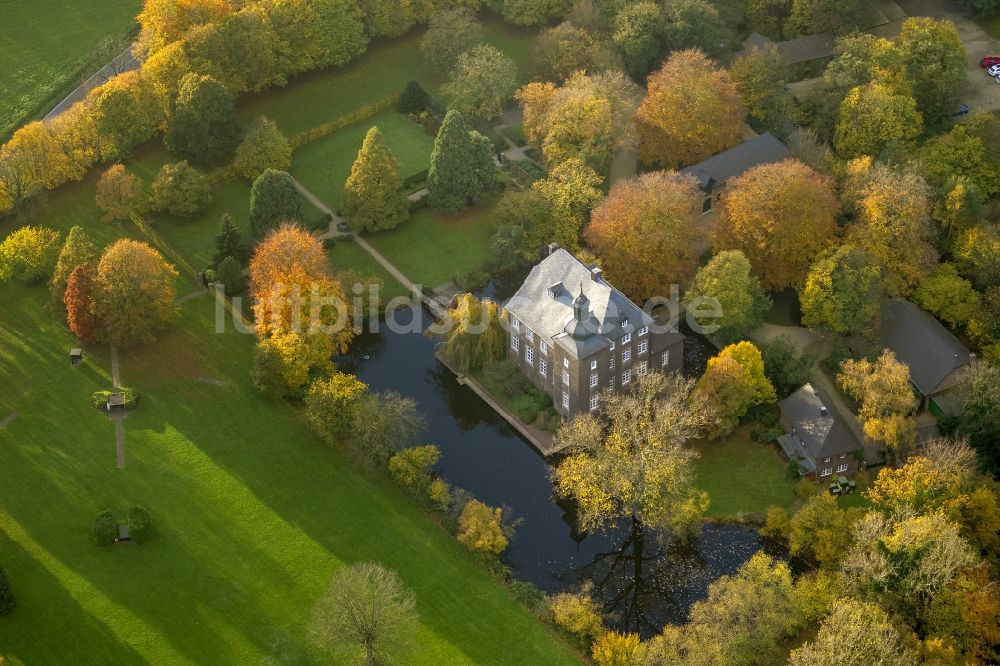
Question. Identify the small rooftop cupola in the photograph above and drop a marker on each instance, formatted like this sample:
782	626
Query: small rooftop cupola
581	306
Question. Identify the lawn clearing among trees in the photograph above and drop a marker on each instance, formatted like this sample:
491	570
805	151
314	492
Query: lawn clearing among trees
233	481
742	476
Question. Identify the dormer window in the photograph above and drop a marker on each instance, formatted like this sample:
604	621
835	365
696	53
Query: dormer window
625	322
515	324
643	331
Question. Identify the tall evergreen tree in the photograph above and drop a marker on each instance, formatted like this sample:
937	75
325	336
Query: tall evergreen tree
462	165
230	274
78	250
273	200
228	241
373	197
203	126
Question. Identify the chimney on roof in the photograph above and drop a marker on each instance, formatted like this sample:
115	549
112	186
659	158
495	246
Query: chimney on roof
553	247
596	273
822	410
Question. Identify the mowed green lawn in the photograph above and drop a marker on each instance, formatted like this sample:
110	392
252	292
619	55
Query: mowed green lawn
383	70
253	514
348	256
741	476
42	46
431	248
324	165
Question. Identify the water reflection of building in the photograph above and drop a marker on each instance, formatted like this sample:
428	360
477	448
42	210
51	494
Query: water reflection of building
574	335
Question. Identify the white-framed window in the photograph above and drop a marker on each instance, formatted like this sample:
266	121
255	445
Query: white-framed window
827	471
611	382
515	342
644	331
611	362
612	347
842	467
627	338
626	355
593	380
643	368
515	324
626	377
565	400
624	322
593	402
827	459
543	367
593	364
528	333
643	346
565	362
665	359
529	355
842	456
566	377
543	347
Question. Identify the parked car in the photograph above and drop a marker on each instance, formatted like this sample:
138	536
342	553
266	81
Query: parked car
961	110
343	227
993	70
989	61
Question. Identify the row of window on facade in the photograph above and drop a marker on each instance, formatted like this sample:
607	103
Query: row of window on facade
626	378
827	471
515	325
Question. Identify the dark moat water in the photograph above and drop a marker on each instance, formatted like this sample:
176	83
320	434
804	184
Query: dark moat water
641	583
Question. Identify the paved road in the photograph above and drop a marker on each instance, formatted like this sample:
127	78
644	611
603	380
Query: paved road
123	62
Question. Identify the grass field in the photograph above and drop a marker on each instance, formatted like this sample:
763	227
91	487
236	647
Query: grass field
44	44
324	165
384	70
741	476
252	513
431	248
348	256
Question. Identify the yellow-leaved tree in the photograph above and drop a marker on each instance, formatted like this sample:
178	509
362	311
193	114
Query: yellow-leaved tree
887	399
733	382
633	463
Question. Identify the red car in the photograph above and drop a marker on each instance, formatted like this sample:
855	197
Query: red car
989	61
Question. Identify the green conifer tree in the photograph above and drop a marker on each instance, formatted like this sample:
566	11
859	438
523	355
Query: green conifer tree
373	197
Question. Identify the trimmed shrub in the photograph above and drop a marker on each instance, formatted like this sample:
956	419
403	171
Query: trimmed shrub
99	399
230	274
413	99
7	601
140	525
418	177
105	529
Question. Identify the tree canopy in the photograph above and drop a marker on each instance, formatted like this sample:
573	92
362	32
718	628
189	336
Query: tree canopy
692	111
645	232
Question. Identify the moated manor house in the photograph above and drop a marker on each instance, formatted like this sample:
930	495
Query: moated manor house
574	335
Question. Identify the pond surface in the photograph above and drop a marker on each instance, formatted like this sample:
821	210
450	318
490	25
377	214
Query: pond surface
642	584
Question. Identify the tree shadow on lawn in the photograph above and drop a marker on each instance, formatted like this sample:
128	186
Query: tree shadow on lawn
346	511
198	573
41	596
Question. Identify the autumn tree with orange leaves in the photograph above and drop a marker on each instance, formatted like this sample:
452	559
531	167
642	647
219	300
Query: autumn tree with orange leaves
645	232
691	112
781	216
301	311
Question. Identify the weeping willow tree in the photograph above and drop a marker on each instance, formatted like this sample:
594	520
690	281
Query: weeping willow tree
475	336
